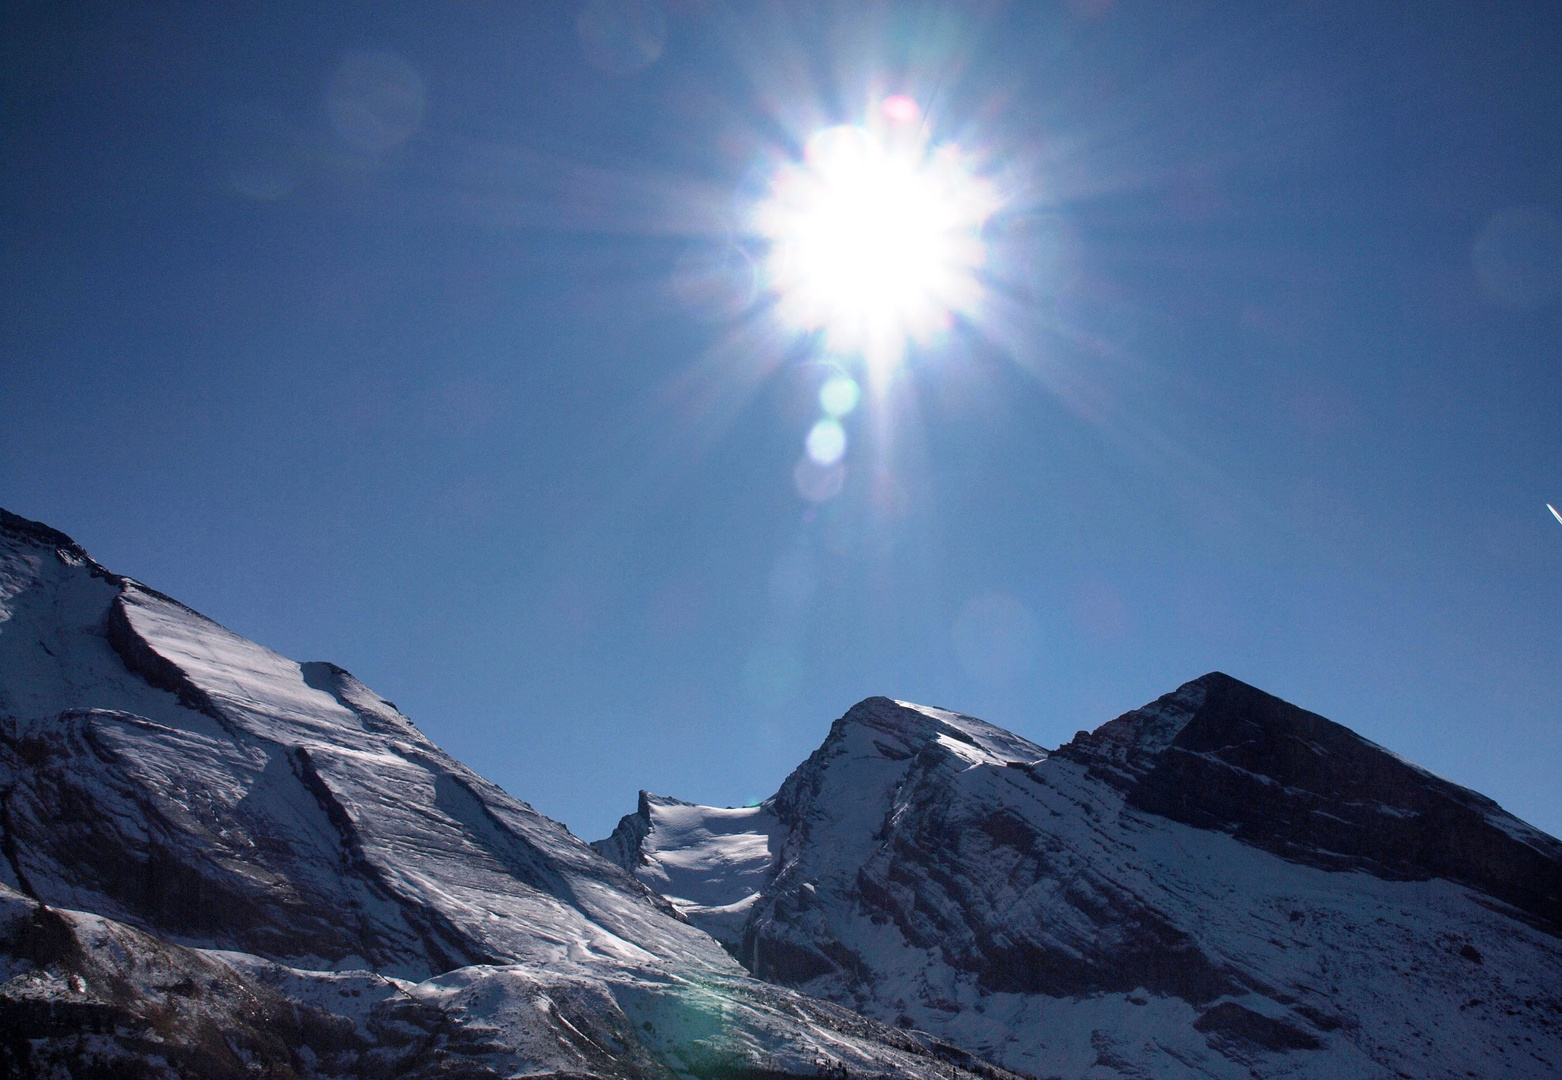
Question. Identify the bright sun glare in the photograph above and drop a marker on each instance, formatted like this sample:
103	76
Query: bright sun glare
875	237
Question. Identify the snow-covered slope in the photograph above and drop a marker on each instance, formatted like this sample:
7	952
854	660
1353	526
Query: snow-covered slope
711	863
219	861
1219	884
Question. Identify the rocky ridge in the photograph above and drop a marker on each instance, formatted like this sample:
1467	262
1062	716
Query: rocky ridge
1219	884
219	862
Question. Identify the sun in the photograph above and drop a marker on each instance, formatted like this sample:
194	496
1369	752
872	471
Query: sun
874	238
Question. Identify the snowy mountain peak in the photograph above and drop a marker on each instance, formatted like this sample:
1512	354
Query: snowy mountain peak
228	796
896	731
914	727
190	821
1178	893
199	834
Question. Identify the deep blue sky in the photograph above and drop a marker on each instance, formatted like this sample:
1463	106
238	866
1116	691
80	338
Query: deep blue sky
423	389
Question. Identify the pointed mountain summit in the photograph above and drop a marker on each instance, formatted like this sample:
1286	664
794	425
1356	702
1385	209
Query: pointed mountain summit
1220	754
220	862
1218	884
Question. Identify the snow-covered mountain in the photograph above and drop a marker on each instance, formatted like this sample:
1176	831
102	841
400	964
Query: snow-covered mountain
220	862
1219	884
217	862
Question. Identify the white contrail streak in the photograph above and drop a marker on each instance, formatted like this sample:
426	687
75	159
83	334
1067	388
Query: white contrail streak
1554	513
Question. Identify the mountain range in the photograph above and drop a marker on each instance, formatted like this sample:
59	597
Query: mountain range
221	862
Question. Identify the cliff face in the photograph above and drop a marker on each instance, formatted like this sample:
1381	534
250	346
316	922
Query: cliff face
1218	884
217	860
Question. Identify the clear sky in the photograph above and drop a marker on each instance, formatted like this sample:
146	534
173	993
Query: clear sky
448	342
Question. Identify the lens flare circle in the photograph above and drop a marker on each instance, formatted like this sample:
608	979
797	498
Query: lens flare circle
826	442
875	239
839	395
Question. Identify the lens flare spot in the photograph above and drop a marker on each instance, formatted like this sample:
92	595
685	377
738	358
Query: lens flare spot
900	109
818	483
827	442
839	395
375	101
622	36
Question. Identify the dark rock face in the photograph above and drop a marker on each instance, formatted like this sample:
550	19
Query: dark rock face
39	535
622	848
86	997
78	811
1313	791
100	999
1231	1021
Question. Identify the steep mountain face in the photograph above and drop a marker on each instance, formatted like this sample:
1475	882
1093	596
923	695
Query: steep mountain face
219	861
1219	884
